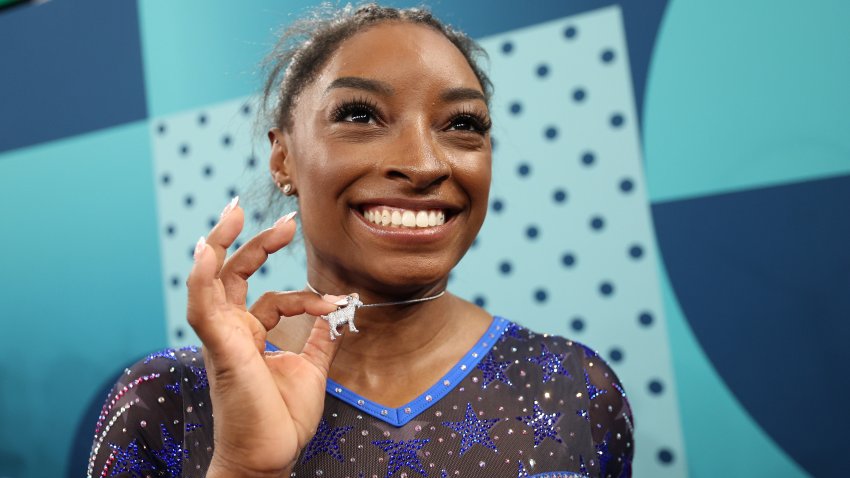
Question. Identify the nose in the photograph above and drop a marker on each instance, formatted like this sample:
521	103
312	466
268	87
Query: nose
418	159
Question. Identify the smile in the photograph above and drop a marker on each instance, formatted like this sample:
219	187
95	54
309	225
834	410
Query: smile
404	218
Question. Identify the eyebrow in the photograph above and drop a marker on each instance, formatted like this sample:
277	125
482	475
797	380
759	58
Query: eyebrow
460	94
375	86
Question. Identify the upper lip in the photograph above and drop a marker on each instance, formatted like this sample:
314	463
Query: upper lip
407	203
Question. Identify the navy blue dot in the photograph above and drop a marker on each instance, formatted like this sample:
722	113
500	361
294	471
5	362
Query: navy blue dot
252	162
507	47
588	158
516	108
570	32
542	70
225	140
161	128
246	109
170	229
192	253
617	120
577	324
184	149
493	143
606	288
202	119
559	196
626	185
607	56
524	169
179	333
175	281
568	259
211	222
263	270
237	245
540	295
579	94
480	301
532	232
208	170
655	387
258	216
188	200
645	319
474	243
165	178
551	132
636	251
232	193
597	223
665	456
616	354
497	205
505	267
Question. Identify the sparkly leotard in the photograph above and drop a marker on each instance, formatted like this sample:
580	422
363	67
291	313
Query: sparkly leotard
518	404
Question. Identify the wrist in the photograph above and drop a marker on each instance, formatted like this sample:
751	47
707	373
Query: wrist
222	467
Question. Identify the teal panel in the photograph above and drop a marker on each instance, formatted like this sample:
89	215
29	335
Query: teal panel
747	94
197	52
81	292
721	438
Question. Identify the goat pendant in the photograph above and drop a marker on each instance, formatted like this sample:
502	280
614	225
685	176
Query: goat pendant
344	315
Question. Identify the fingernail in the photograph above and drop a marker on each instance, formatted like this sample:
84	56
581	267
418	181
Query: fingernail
285	219
335	299
230	206
199	247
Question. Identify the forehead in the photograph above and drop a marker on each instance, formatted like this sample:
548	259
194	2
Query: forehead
400	52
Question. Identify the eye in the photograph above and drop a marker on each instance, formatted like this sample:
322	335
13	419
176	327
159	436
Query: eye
469	122
355	112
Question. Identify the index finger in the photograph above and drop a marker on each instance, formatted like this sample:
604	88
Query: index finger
243	263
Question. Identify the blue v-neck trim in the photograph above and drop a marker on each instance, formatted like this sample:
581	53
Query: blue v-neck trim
402	415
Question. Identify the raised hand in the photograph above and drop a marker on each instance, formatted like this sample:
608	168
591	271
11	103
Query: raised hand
266	405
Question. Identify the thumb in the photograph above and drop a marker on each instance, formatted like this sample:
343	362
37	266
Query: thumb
320	349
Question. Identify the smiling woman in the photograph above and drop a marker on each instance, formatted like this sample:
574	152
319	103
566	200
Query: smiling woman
380	131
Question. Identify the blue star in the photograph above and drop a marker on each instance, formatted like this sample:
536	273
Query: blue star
521	471
582	468
172	453
129	461
326	440
592	391
604	454
583	413
550	363
474	430
165	353
173	387
543	424
492	370
513	330
201	376
402	454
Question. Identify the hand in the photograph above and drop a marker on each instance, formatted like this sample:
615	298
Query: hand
267	406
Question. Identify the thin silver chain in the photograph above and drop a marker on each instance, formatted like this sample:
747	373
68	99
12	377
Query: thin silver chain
382	304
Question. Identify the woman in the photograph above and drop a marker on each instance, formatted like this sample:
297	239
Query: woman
381	133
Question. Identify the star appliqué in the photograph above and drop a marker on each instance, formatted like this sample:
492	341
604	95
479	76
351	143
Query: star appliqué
172	453
491	370
402	454
165	353
128	460
513	330
550	362
474	430
326	440
201	376
543	424
592	391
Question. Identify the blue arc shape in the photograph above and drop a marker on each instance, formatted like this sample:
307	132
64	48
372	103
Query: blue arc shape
763	277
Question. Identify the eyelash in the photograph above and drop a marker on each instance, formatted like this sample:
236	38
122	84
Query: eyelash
481	123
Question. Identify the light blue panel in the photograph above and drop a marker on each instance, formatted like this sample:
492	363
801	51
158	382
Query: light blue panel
747	94
543	130
722	439
197	52
81	294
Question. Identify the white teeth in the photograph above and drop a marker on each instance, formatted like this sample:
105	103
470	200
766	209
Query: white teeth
421	219
405	217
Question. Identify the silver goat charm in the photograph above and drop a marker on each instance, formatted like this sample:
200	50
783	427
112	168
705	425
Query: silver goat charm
344	315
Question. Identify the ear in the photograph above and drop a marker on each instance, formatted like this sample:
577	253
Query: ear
280	166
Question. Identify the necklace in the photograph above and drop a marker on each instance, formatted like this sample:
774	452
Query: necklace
345	314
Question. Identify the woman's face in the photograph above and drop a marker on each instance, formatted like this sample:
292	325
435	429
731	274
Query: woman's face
394	125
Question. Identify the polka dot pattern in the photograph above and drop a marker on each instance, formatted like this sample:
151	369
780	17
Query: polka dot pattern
568	247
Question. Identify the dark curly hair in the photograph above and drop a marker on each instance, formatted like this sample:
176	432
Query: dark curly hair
306	45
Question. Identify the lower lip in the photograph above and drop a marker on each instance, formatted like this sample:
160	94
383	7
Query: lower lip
410	235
